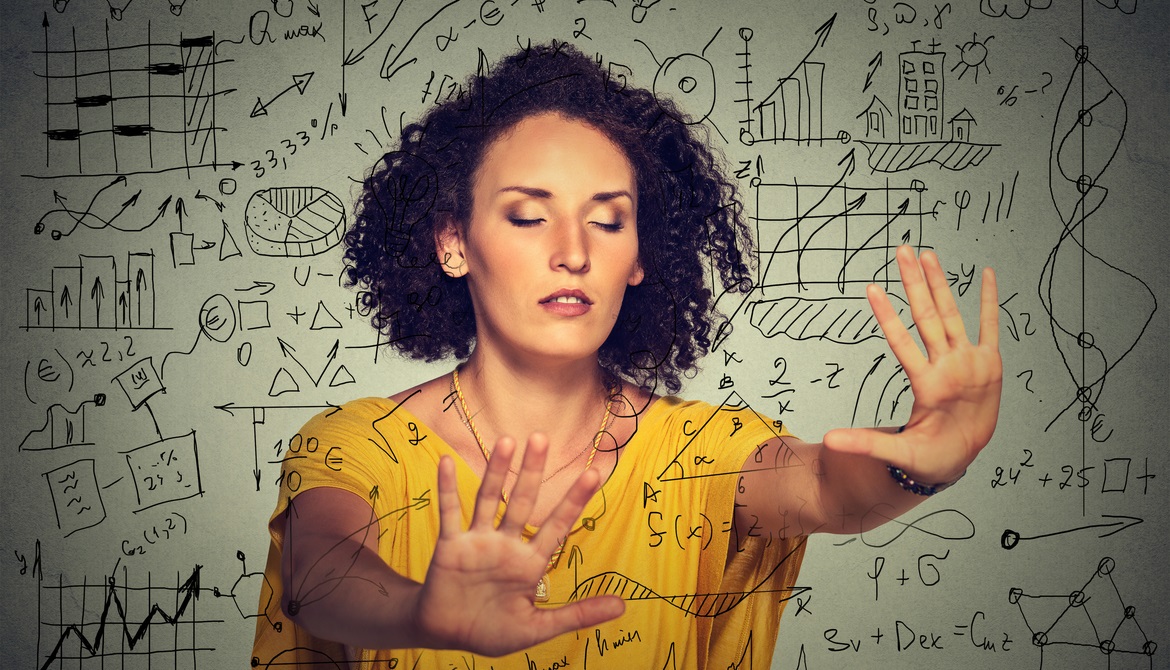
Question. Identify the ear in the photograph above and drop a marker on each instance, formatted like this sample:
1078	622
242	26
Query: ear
637	275
449	248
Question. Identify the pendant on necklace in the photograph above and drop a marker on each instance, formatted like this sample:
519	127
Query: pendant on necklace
542	588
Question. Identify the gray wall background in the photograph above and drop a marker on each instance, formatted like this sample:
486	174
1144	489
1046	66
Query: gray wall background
159	352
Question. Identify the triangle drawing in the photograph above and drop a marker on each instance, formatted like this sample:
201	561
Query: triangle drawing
323	318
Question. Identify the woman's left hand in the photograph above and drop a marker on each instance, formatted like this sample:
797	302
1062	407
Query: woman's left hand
956	384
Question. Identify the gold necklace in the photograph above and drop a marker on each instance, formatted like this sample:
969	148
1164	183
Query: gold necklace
542	587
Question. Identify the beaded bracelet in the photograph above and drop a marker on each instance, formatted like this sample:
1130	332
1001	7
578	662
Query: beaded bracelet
918	488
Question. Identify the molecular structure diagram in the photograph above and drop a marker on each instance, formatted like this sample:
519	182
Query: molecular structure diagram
1092	622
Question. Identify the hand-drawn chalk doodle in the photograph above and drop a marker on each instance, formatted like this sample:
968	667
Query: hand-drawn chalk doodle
1110	524
972	55
165	471
110	132
689	80
844	320
89	296
294	221
921	122
253	314
140	382
63	221
259	415
300	83
62	428
837	235
115	632
1087	627
217	322
1013	9
1090	124
77	499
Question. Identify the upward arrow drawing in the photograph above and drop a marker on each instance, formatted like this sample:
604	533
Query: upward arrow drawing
822	36
300	81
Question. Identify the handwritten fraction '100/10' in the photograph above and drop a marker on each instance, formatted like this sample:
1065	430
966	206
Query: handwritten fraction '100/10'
1115	475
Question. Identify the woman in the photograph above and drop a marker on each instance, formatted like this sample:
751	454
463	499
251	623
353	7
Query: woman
562	257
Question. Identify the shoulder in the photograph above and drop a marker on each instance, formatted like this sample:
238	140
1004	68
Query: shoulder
357	417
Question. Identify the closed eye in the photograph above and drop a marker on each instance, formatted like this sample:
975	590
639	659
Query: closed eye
524	222
610	227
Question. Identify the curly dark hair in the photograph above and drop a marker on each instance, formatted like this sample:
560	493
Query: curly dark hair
687	209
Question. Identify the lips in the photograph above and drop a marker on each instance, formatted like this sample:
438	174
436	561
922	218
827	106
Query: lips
567	297
567	303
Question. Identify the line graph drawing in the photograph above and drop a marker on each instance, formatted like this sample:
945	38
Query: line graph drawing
123	628
144	107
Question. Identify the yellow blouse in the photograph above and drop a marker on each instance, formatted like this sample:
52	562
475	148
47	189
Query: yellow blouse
658	534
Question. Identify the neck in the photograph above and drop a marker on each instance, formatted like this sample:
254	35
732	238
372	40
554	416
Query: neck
564	401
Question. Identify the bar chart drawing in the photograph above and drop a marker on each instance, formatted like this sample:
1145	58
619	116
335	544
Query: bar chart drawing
120	109
793	112
96	295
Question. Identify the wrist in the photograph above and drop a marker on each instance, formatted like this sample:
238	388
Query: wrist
916	486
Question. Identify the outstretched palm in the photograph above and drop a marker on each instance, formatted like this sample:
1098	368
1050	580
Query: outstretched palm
478	593
956	383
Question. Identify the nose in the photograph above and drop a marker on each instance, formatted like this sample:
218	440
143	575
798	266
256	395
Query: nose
570	247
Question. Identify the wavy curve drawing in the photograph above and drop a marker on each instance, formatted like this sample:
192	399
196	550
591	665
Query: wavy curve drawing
1085	137
696	604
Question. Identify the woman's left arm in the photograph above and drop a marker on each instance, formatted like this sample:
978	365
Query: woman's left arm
848	486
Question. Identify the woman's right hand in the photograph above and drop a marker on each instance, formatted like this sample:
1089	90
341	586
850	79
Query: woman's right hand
479	589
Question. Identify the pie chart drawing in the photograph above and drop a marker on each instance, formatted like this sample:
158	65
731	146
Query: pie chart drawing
294	221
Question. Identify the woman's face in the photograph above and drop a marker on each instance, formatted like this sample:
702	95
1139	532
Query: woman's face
552	242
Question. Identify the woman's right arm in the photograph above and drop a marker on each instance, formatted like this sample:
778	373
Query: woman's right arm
336	586
478	593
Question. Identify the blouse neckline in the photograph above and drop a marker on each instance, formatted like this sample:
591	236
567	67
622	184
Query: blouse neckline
646	426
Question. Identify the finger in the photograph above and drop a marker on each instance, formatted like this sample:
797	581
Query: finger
450	508
566	513
989	310
944	299
922	308
581	614
901	343
524	493
487	500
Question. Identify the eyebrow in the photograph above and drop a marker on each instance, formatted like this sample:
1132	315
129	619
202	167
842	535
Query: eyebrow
604	196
